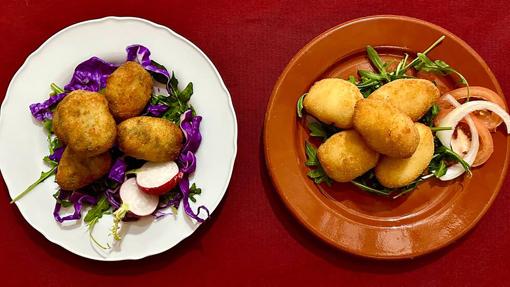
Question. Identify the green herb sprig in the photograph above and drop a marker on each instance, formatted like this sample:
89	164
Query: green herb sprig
318	174
92	218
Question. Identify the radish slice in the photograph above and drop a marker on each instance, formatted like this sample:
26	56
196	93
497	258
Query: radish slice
452	120
158	177
138	202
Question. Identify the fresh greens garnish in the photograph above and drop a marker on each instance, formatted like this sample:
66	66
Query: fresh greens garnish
94	214
321	130
300	105
62	202
44	175
368	182
177	100
318	174
194	190
428	118
371	81
56	89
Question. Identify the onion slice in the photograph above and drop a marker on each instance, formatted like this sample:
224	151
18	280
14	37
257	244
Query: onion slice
490	120
452	119
462	111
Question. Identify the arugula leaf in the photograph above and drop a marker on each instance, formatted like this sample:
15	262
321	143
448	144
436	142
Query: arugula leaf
300	105
321	130
318	174
48	126
194	190
96	212
317	130
185	94
42	177
56	89
352	79
449	154
378	62
311	155
436	129
428	118
63	202
371	75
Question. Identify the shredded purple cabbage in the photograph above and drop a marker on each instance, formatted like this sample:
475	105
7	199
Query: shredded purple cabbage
190	126
141	55
42	111
188	162
184	186
156	110
57	154
113	197
90	75
78	199
118	171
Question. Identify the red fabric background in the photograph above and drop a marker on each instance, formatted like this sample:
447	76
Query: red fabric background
253	240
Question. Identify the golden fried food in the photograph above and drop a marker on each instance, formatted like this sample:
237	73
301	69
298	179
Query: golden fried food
83	121
413	97
75	171
385	129
128	90
332	102
399	172
149	138
345	156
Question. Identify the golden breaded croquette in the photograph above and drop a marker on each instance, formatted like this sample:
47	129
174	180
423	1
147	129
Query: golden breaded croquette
413	97
149	138
345	156
332	101
75	171
128	90
83	121
398	172
385	129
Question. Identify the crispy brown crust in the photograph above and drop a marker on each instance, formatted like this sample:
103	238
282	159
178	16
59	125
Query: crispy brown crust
75	171
345	156
128	90
399	172
150	138
83	121
332	101
413	97
385	129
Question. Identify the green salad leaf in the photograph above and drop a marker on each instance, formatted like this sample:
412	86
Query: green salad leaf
94	214
318	174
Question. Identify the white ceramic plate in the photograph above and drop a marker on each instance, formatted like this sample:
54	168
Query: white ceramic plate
23	141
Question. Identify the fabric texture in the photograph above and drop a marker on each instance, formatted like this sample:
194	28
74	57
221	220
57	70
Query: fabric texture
251	238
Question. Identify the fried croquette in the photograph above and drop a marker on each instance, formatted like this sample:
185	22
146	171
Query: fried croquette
399	172
83	121
385	129
345	156
413	97
75	171
332	101
128	90
148	138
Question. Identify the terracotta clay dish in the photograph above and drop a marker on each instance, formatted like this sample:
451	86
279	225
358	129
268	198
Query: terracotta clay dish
431	217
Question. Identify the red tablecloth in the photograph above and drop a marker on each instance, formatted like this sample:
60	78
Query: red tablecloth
253	240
